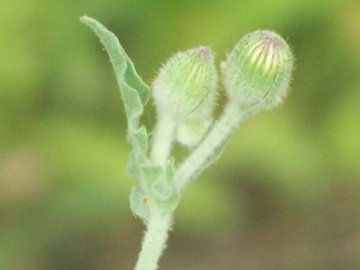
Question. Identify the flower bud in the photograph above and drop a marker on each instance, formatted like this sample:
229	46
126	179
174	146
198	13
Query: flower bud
257	72
185	83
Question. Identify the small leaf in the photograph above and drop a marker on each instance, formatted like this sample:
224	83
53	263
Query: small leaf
156	190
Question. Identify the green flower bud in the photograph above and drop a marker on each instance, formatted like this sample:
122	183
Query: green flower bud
185	83
258	70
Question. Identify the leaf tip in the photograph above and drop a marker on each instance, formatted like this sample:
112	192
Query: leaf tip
86	19
83	18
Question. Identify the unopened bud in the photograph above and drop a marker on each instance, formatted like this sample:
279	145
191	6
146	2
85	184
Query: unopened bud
185	83
258	70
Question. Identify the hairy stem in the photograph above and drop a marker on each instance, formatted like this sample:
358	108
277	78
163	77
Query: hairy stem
211	147
158	225
154	241
162	140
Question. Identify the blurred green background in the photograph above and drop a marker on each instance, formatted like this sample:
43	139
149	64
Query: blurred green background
286	193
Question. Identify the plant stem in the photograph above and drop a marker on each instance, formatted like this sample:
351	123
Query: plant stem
154	241
211	147
158	225
162	140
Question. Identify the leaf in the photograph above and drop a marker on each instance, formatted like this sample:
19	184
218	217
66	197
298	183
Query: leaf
156	188
134	92
123	66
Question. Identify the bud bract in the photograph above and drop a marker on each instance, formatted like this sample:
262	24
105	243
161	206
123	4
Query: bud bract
185	84
192	131
257	71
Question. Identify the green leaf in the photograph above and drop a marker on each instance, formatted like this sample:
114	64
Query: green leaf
134	92
123	66
157	190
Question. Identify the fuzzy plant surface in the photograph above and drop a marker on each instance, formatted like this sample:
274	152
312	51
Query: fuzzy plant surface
256	76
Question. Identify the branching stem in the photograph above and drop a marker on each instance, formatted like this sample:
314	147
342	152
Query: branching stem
211	147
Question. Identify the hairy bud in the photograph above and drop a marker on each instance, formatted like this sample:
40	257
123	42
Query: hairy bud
258	70
185	83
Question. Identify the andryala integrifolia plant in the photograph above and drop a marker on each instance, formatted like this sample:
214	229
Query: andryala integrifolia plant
255	74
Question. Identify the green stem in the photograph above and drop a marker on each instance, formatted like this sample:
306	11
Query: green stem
158	225
154	241
162	140
211	147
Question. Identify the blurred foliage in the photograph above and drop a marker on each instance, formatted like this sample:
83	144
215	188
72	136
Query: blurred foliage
286	193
